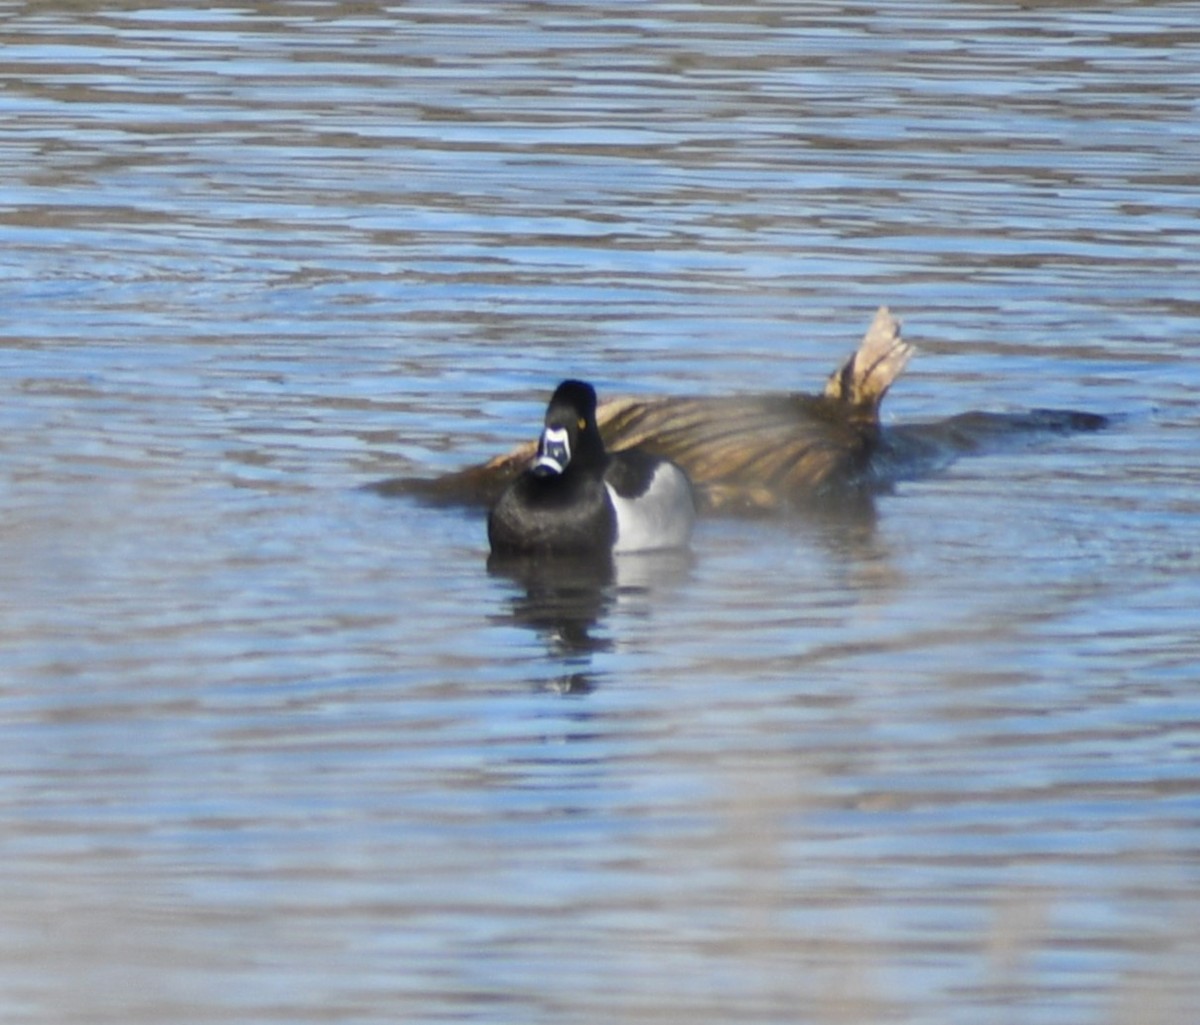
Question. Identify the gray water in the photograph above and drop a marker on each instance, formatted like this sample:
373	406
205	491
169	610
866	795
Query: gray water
276	748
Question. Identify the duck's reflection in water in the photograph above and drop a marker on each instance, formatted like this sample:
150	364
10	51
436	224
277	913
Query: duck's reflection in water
566	600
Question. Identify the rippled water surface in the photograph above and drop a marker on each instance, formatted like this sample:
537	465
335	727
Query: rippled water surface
276	748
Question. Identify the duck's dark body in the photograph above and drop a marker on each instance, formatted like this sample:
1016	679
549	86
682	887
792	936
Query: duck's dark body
553	516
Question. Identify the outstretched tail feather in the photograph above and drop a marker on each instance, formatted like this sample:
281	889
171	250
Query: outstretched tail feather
863	380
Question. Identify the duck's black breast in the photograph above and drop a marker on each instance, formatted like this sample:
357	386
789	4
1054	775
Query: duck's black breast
553	514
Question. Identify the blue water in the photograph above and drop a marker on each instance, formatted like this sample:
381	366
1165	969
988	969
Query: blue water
276	748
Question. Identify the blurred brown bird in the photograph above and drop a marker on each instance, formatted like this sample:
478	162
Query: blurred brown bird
778	451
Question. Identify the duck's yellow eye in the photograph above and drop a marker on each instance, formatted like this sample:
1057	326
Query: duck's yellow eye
582	423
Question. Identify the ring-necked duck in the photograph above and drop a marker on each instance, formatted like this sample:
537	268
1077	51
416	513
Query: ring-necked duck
576	497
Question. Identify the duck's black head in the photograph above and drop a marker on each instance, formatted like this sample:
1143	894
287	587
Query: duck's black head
570	436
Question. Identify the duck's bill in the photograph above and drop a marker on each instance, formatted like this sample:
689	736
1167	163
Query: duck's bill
554	452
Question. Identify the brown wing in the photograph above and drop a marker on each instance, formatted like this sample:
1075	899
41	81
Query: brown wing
747	452
743	453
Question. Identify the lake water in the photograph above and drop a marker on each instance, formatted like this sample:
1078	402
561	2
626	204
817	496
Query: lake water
274	748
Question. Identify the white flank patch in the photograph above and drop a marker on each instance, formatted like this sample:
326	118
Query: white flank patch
661	518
